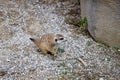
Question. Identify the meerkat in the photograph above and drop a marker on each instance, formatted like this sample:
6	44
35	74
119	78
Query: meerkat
48	43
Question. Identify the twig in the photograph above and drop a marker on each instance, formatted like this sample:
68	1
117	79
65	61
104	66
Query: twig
82	61
78	59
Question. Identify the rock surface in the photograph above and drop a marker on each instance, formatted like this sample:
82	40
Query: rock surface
103	20
19	59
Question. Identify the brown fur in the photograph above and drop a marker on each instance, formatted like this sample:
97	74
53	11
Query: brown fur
47	43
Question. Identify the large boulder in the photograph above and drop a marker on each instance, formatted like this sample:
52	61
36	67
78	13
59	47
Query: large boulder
103	20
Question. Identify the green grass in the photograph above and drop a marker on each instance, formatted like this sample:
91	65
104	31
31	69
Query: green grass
116	49
63	74
82	22
62	64
89	43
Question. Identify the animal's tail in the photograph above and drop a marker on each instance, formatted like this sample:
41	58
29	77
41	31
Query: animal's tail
32	39
36	42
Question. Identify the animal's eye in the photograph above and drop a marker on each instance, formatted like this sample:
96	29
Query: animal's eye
55	40
61	38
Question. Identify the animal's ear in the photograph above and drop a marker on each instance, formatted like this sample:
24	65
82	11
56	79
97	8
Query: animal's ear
59	35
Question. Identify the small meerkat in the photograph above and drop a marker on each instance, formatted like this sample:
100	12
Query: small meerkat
48	43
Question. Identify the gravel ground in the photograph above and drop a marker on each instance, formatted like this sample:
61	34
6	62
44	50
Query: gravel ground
19	60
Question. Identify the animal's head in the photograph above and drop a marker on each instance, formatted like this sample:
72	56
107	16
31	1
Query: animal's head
59	37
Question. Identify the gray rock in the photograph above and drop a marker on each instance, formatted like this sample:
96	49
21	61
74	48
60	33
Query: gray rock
103	20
